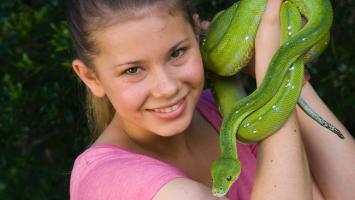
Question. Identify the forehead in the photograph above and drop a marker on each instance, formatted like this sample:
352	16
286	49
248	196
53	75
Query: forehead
137	35
153	24
111	17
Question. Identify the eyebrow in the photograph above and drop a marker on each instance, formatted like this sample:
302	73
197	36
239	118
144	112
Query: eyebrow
135	62
178	44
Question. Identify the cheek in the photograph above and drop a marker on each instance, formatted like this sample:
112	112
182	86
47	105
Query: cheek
194	72
125	99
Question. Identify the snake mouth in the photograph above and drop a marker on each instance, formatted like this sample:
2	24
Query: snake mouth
219	191
218	194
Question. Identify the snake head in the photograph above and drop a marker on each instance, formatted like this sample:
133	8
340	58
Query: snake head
224	173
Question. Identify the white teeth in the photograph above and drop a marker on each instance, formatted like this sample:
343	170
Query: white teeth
167	110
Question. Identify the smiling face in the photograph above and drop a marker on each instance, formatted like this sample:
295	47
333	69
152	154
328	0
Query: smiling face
151	70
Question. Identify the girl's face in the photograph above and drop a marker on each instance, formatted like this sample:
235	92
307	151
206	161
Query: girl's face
151	70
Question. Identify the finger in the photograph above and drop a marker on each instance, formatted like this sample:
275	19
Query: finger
197	22
205	25
196	19
273	7
271	14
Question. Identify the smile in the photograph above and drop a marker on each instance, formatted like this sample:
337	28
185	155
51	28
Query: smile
169	109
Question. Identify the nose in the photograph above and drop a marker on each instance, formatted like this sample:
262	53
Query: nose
165	84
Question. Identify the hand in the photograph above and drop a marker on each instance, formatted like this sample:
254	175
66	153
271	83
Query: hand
200	26
267	42
267	39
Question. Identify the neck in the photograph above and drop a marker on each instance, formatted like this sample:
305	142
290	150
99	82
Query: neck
151	144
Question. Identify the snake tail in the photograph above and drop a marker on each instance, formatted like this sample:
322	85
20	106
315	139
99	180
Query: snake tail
310	112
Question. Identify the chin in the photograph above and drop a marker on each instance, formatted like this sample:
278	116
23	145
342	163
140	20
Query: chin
172	127
175	128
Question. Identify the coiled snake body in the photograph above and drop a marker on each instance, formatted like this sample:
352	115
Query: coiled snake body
228	48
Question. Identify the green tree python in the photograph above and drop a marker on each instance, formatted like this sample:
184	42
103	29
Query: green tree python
229	47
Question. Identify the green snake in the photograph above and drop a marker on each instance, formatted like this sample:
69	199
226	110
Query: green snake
228	48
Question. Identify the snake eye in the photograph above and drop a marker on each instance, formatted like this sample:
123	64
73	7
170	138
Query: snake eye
229	178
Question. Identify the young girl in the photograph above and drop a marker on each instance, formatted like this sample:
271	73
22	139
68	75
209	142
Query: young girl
141	63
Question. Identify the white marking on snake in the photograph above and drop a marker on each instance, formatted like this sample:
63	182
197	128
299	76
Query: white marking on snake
276	108
237	56
256	18
288	85
248	37
230	66
246	125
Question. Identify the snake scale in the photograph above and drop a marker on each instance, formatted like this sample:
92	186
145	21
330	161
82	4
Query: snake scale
228	47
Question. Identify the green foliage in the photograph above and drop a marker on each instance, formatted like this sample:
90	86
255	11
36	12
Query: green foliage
42	122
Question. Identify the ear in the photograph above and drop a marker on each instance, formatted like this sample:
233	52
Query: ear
89	77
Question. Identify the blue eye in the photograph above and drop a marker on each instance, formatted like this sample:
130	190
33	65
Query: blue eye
178	53
132	70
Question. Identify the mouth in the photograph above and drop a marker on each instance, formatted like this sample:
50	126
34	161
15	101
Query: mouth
169	108
170	111
219	194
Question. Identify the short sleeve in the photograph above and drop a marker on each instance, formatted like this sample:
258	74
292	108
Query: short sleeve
120	175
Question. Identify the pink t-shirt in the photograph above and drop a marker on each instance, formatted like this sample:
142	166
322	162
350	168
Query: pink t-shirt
108	172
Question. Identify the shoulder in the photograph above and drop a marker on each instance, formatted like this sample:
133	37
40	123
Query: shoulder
109	172
183	188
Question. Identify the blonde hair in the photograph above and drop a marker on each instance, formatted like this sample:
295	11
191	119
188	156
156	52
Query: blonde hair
99	112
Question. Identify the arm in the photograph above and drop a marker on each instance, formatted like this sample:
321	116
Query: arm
183	188
282	169
331	159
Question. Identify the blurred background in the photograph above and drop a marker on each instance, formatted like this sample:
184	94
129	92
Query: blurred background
42	117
